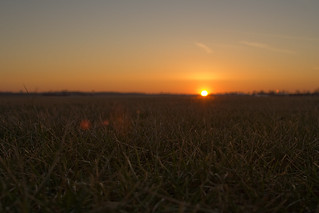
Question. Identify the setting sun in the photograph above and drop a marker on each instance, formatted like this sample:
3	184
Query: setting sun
204	93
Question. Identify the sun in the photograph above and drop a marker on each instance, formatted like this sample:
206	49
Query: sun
204	93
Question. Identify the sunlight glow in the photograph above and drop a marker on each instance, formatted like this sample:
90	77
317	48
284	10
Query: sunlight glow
204	93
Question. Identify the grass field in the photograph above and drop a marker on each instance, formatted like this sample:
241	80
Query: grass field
159	154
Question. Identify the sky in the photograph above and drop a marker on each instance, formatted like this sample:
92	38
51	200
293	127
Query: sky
154	46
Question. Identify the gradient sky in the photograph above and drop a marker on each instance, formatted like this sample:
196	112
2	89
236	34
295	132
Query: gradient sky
176	46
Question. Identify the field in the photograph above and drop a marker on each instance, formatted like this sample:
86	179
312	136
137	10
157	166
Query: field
159	154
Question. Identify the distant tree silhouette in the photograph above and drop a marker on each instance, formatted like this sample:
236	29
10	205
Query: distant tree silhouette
271	92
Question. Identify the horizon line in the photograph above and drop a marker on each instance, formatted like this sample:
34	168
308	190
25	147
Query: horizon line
78	92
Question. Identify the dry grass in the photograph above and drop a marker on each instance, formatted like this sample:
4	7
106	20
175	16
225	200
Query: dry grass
159	154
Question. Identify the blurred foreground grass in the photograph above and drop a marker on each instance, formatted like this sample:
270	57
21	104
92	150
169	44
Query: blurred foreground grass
159	154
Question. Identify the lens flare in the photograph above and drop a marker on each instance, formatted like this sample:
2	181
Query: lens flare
85	124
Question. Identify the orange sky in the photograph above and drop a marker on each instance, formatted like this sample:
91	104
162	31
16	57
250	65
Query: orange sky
159	46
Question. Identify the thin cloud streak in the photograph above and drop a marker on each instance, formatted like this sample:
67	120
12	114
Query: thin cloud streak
280	36
288	37
267	47
293	37
204	47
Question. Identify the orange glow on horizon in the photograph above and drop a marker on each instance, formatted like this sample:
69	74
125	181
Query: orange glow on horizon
87	57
